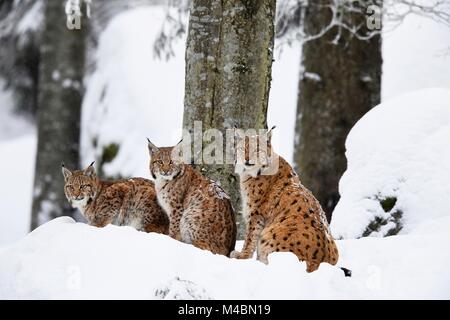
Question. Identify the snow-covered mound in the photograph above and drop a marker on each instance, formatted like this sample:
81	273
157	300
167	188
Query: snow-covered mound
68	260
398	167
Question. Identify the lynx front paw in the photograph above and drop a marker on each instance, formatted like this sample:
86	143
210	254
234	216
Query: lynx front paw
238	255
235	254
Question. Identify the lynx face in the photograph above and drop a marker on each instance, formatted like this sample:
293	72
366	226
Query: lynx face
80	186
254	155
165	162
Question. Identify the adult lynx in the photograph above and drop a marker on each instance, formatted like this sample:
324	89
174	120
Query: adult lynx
130	202
199	210
281	214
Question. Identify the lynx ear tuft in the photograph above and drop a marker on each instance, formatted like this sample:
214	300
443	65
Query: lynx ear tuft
90	171
66	172
269	134
151	147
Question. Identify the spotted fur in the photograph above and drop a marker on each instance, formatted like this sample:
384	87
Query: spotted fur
281	214
200	211
130	202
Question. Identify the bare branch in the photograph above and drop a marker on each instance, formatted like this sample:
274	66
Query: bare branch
393	13
172	29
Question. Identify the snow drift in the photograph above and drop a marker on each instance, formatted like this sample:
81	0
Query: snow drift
398	167
67	260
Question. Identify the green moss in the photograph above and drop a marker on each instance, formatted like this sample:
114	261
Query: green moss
109	153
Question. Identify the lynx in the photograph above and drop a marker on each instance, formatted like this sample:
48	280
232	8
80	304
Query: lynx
130	202
200	212
281	214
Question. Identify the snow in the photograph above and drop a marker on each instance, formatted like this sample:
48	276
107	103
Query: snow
16	180
416	55
312	76
67	260
399	150
17	151
283	99
11	125
131	96
32	19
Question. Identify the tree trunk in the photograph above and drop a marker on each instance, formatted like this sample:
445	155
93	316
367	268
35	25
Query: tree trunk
58	117
228	73
338	84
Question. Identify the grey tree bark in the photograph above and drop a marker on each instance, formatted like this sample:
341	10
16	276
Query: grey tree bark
58	116
338	84
228	73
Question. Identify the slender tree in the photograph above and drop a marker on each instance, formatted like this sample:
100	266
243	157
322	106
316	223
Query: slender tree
228	72
58	116
340	80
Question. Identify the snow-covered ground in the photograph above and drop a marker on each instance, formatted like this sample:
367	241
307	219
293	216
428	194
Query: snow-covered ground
67	260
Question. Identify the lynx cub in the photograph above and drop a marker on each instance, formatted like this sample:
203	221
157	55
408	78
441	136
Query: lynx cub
129	202
281	214
199	210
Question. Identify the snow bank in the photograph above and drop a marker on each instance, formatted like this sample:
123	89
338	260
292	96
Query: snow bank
398	152
67	260
16	181
17	151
